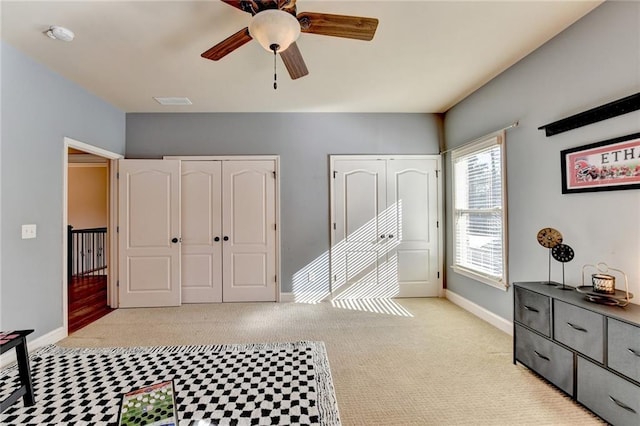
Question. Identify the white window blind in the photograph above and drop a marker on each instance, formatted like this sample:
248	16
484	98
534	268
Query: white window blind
479	208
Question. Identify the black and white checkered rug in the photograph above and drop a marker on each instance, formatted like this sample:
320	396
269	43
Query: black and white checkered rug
254	384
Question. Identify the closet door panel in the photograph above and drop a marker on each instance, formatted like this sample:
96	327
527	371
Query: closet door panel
249	269
249	220
359	217
249	233
201	224
149	221
413	212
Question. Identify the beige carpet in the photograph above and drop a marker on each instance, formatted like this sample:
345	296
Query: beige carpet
402	362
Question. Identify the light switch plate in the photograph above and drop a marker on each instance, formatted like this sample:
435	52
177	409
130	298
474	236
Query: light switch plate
28	231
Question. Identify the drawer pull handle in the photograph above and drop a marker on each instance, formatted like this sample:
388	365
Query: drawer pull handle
622	405
529	308
633	351
539	355
577	327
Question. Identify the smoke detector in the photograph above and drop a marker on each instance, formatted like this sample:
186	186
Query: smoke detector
57	32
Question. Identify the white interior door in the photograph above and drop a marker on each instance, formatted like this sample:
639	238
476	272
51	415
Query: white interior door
412	234
359	222
201	231
149	234
385	241
249	231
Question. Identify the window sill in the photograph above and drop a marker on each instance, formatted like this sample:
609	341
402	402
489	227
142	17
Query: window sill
485	279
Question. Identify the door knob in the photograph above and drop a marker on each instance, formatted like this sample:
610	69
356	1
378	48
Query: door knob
226	238
216	239
382	236
390	235
174	240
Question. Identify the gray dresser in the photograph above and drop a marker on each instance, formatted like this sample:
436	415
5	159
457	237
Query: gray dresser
588	350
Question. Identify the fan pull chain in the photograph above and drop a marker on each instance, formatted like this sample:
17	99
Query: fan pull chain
274	47
275	75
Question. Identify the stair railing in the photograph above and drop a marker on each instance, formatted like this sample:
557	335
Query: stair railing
87	252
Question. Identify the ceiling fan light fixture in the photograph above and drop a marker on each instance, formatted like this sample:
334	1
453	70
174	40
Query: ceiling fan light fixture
274	29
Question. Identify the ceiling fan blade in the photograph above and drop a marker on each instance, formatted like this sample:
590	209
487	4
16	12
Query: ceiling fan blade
228	45
233	3
255	6
292	59
356	27
288	6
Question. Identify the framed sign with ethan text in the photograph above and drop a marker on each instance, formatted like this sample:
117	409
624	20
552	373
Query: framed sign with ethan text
608	165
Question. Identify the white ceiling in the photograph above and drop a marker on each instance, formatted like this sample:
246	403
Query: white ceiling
425	57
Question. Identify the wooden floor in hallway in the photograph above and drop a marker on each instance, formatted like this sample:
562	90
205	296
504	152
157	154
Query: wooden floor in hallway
87	300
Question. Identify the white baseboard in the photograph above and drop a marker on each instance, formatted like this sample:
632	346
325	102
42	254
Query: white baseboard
47	339
309	297
477	310
287	297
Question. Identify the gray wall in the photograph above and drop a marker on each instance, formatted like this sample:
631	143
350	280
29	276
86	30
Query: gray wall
40	108
303	142
595	61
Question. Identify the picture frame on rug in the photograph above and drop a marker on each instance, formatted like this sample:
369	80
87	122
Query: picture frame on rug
150	405
609	165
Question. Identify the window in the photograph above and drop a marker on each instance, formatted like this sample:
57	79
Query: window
479	208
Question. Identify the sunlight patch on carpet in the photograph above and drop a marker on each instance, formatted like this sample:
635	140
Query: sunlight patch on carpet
376	306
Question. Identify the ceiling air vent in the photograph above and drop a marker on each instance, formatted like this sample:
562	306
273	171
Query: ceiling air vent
173	101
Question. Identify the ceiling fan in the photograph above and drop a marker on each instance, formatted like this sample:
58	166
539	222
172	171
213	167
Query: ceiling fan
276	25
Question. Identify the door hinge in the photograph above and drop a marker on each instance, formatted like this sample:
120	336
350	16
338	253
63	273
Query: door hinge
117	229
335	278
437	224
335	174
334	226
438	274
275	278
436	174
275	226
118	283
117	175
274	174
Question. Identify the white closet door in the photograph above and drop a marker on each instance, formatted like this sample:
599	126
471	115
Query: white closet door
249	233
385	241
412	233
149	222
201	226
359	217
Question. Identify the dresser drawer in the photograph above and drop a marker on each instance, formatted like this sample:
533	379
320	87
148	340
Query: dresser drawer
609	396
579	329
546	358
623	346
533	310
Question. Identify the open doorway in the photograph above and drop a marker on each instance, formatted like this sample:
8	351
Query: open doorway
89	234
87	242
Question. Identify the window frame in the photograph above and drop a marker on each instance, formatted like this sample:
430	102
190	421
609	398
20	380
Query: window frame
465	151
